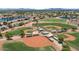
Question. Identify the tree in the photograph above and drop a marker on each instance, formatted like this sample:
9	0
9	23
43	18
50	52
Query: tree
20	24
9	25
8	36
5	23
1	35
64	29
22	33
3	28
66	48
61	39
74	28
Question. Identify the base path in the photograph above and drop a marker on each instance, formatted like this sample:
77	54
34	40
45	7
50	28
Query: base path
1	45
58	27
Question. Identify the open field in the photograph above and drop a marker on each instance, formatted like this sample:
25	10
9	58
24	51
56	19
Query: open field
39	30
54	20
17	32
16	46
58	24
20	46
75	43
39	43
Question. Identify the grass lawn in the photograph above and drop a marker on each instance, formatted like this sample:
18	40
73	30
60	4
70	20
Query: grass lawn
75	43
66	48
51	27
62	35
14	32
54	20
25	28
19	46
58	24
17	32
48	48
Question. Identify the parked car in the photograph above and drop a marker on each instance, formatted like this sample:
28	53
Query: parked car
51	39
55	37
49	35
53	31
45	32
40	29
59	31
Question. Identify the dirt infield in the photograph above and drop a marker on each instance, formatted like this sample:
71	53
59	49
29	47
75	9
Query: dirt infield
1	44
58	27
37	41
69	37
40	41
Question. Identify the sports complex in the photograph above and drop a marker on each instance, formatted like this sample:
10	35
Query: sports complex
39	31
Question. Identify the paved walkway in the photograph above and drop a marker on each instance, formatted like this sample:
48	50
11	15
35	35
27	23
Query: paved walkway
1	44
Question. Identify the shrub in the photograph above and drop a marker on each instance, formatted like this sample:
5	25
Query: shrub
61	38
20	24
1	35
8	36
66	48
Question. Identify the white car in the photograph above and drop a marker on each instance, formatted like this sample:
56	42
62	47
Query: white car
55	37
53	31
51	39
45	32
40	29
49	35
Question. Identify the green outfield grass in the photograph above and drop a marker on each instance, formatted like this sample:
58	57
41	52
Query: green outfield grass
58	24
48	48
62	35
19	46
75	43
54	20
17	32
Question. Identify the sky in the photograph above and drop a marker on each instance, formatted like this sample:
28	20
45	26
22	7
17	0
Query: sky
39	4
